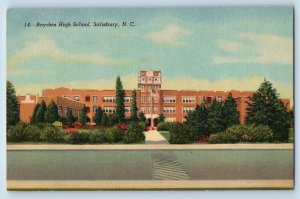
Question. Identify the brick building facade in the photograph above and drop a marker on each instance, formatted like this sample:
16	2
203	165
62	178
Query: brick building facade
151	99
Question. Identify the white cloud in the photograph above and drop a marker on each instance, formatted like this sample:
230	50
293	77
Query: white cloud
45	47
170	35
262	49
230	46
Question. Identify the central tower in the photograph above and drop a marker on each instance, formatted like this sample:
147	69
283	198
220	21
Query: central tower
149	82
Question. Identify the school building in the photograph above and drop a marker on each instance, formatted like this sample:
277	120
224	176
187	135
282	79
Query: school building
151	99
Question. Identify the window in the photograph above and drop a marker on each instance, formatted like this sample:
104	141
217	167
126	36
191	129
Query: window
143	79
95	98
67	96
149	99
155	109
169	109
169	99
188	99
74	112
219	98
109	99
208	100
149	109
65	110
187	109
88	109
127	109
143	99
76	98
149	88
95	109
109	109
149	79
59	109
127	99
87	98
143	87
143	109
202	99
155	99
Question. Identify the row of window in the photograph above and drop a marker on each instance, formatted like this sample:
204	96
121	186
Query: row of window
95	98
143	99
166	99
149	79
149	88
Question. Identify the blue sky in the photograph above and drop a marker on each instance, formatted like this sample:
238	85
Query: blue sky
219	48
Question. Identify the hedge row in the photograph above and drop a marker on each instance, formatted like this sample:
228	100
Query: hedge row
243	133
24	132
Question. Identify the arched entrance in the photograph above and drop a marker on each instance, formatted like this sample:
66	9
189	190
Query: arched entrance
154	120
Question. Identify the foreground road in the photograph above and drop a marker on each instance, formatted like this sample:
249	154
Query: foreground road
231	166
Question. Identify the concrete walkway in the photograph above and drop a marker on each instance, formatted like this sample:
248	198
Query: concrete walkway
154	137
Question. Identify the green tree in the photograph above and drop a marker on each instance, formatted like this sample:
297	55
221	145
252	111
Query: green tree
215	117
34	114
198	121
161	118
98	115
120	109
134	109
104	120
40	114
51	114
12	105
230	114
142	117
265	108
82	116
70	119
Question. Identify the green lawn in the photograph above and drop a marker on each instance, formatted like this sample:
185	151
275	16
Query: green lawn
291	135
166	134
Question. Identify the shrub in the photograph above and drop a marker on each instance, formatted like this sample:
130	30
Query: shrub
243	133
143	125
51	134
77	124
134	133
165	126
98	137
16	133
32	133
78	138
114	134
122	126
181	134
71	130
58	124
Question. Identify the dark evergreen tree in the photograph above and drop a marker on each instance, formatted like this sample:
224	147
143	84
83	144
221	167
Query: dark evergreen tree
265	108
198	121
82	116
98	116
134	109
142	117
161	118
51	114
70	119
40	114
120	109
34	114
104	120
230	114
12	105
215	117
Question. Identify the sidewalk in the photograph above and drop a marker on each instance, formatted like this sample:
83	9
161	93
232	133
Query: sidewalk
154	137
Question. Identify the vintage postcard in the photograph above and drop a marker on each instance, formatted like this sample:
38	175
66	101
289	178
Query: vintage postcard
150	98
